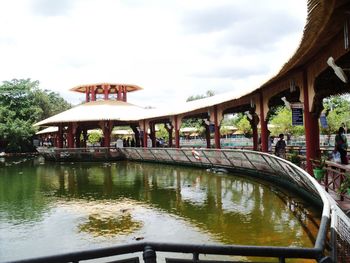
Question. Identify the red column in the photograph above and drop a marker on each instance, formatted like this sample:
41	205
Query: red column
153	134
312	131
119	95
87	94
216	128
263	124
105	91
207	135
144	134
60	136
170	133
107	134
124	94
255	133
177	134
70	136
93	93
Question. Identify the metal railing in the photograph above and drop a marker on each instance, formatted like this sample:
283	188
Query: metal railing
334	223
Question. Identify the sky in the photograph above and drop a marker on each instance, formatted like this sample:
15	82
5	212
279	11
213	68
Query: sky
172	49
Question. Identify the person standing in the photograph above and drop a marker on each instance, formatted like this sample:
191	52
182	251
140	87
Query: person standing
280	149
341	145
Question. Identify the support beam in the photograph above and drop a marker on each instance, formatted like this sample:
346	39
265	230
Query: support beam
263	124
119	95
87	94
207	136
177	132
105	91
312	131
170	133
60	136
137	135
144	134
93	93
216	128
70	136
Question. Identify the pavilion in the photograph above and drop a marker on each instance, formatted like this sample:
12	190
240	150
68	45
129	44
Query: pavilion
305	80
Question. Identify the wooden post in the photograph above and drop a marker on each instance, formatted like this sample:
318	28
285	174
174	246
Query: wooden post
93	93
87	94
216	128
177	133
263	123
312	131
105	91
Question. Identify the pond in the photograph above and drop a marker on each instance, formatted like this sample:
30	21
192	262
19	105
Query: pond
49	208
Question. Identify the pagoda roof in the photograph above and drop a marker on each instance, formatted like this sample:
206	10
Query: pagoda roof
129	87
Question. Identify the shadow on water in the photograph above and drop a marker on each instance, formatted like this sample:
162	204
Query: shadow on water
121	202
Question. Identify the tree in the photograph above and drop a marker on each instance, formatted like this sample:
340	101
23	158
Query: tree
282	122
336	109
22	104
209	93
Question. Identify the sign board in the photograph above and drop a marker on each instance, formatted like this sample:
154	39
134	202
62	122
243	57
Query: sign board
297	114
323	120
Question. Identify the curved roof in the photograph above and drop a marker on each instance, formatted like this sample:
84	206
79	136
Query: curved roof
97	111
129	87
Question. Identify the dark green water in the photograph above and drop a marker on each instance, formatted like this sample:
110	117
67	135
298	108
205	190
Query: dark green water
50	208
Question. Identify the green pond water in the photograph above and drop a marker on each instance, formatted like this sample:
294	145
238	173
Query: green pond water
50	208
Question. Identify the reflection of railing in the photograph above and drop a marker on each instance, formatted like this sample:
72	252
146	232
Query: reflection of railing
80	154
255	163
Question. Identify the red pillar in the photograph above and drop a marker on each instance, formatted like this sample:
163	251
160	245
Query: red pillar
177	134
216	128
170	133
119	95
255	133
105	91
60	136
93	93
153	134
312	131
124	94
107	134
87	94
144	134
263	124
207	135
70	136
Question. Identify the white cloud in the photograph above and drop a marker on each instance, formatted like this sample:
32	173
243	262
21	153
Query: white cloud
173	49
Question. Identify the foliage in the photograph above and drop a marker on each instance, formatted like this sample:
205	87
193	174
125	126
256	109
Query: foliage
94	137
337	110
345	185
162	132
294	157
22	104
209	93
282	123
244	126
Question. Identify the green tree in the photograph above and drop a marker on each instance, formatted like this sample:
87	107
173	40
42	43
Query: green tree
337	110
244	126
22	104
94	137
282	123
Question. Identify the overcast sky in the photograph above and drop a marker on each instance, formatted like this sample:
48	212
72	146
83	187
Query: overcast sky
172	49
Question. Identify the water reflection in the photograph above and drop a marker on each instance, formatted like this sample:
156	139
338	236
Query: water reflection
95	204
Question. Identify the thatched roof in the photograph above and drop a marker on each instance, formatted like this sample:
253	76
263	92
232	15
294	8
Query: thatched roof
96	111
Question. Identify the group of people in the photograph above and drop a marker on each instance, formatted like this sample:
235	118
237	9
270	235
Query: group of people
341	146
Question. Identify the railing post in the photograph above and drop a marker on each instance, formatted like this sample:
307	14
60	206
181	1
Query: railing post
149	255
